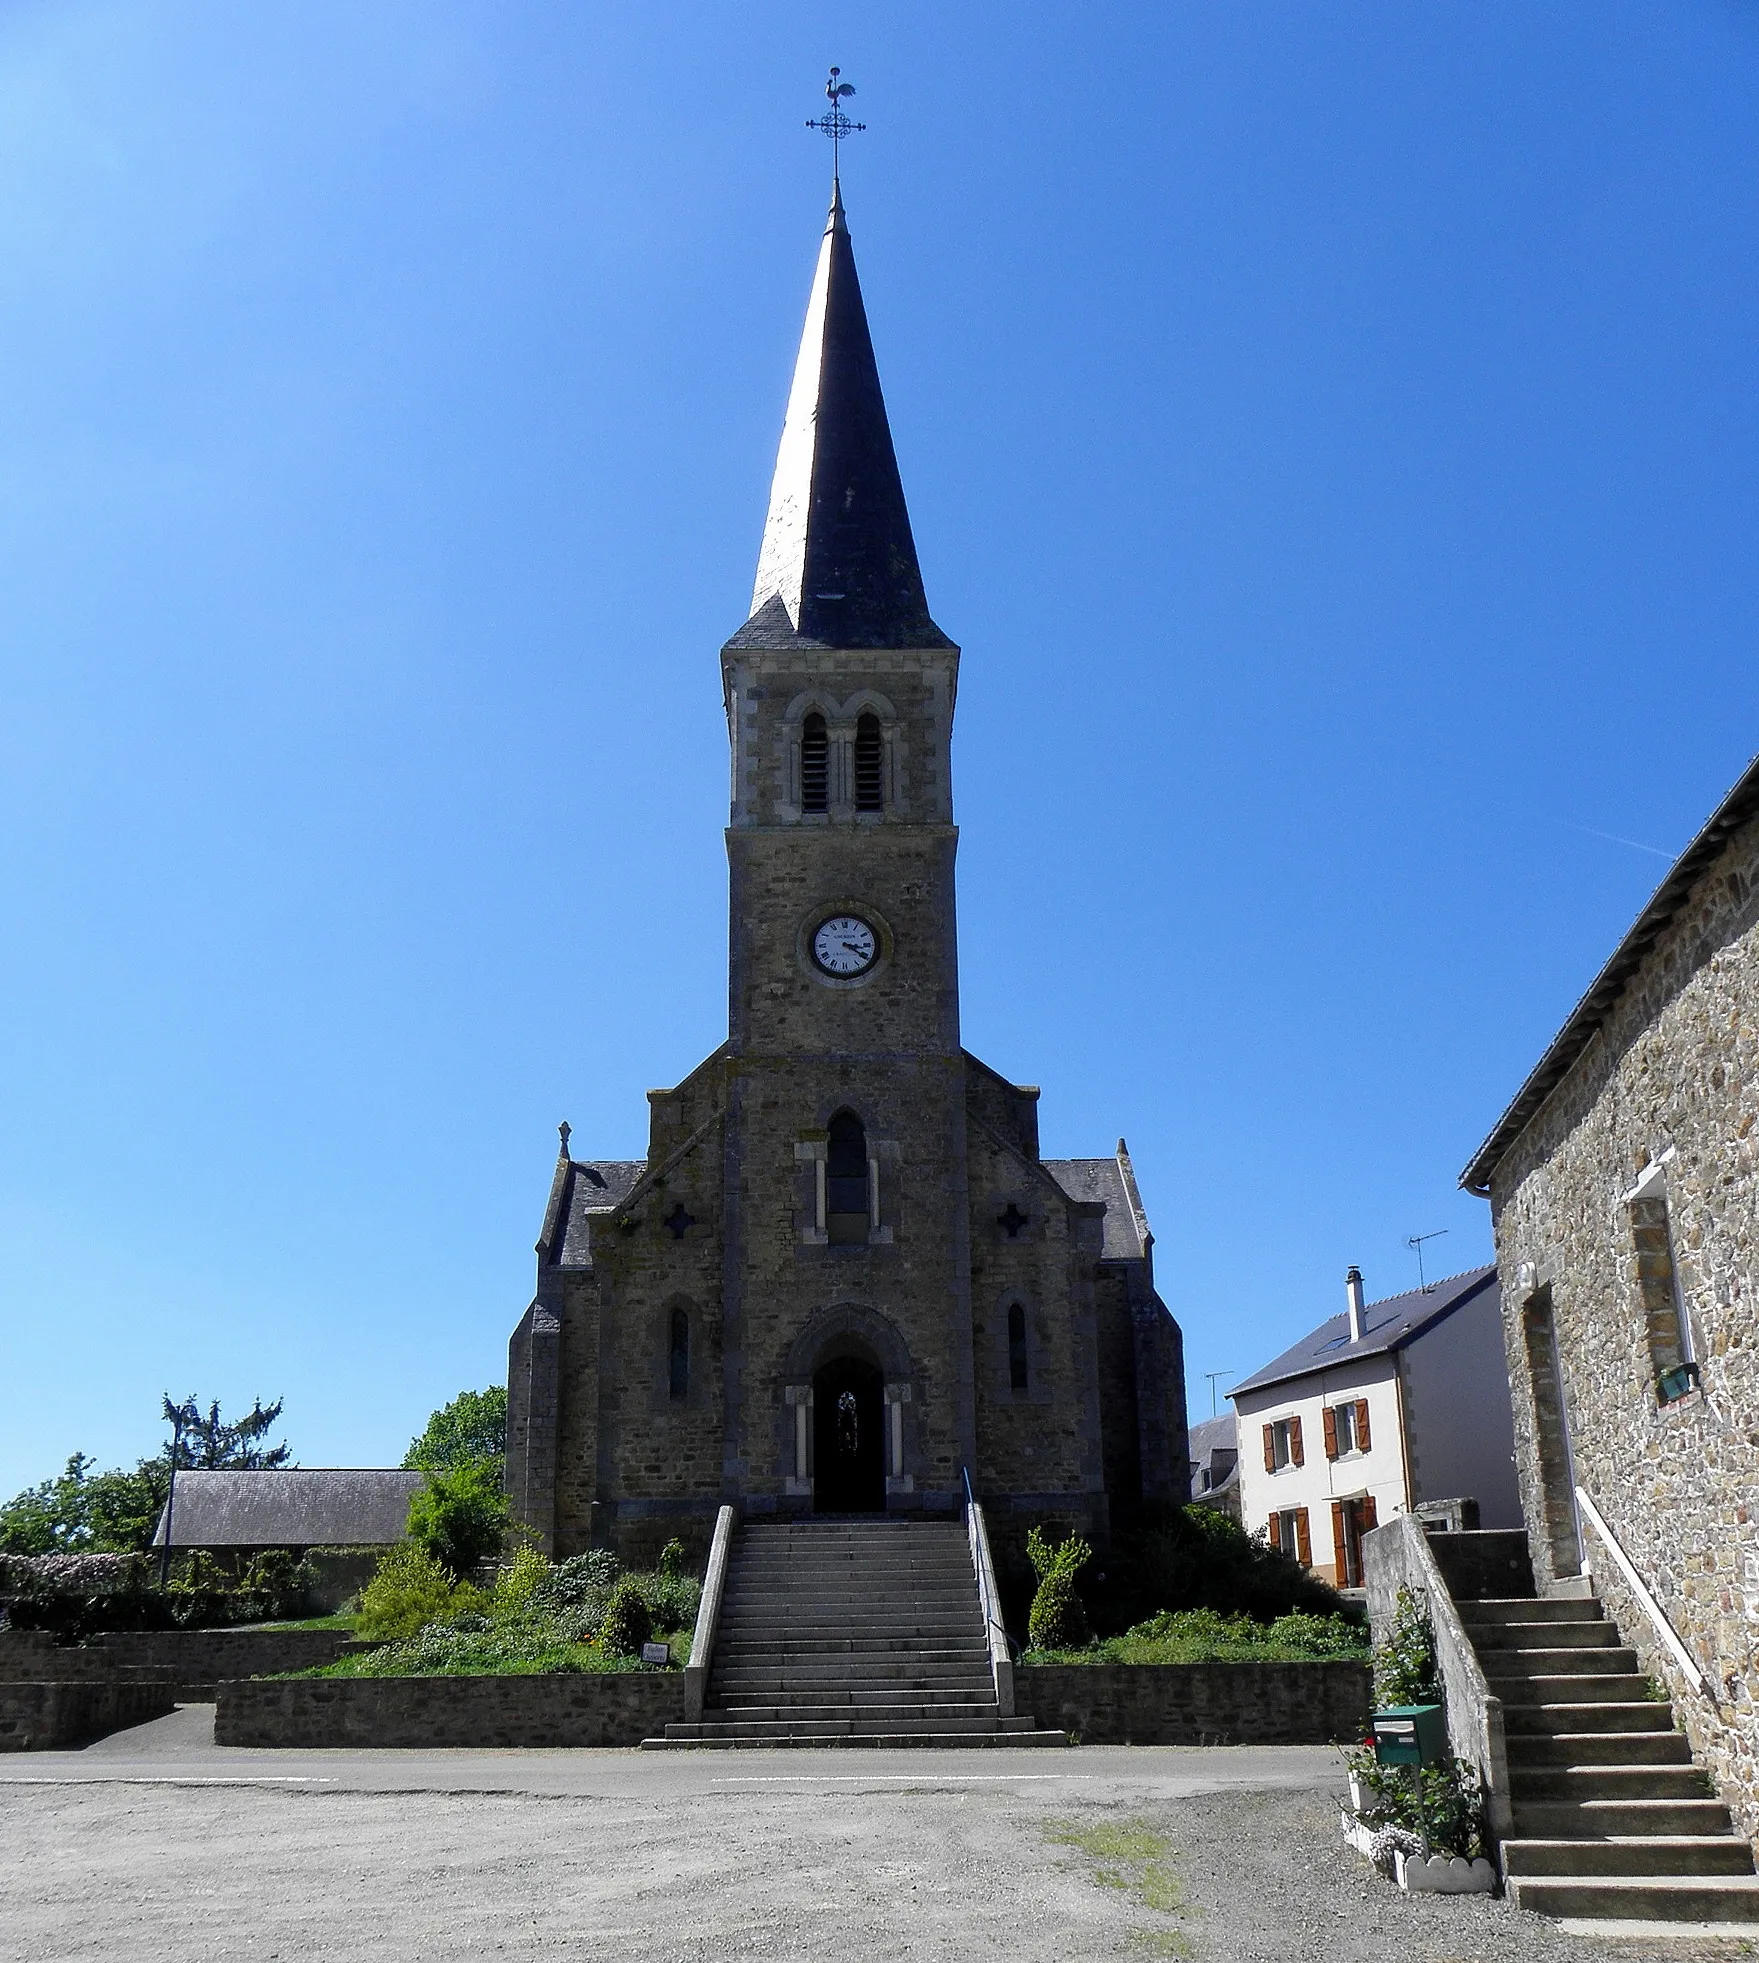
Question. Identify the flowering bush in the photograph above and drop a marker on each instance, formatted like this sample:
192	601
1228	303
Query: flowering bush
71	1574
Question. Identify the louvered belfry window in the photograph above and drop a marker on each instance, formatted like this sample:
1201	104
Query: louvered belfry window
815	764
870	760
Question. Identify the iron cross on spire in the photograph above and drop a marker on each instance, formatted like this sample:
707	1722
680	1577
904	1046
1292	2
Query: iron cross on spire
834	123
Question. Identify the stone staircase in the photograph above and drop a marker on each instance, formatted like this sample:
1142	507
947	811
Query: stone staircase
1612	1820
852	1632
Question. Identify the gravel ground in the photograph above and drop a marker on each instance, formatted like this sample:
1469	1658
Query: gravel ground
200	1874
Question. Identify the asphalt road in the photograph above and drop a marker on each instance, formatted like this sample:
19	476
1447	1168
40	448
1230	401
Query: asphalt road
157	1847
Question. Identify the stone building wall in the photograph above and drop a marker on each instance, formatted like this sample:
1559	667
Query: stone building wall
1669	1087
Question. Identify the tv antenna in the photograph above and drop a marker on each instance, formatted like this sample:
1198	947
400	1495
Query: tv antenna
833	122
1415	1244
1213	1375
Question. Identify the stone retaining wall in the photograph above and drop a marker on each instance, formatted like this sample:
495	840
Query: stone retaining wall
200	1660
453	1712
1199	1703
46	1717
194	1662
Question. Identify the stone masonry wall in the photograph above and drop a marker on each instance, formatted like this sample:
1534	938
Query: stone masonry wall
1199	1703
1674	1070
451	1712
37	1717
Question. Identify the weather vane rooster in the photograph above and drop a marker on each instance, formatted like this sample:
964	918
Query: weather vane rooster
834	123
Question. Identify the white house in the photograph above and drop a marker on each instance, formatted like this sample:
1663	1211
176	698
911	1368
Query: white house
1393	1407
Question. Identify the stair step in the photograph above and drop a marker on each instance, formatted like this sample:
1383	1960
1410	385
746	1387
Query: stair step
1574	1688
1616	1819
1598	1748
1647	1898
1608	1660
1653	1854
861	1712
1529	1608
963	1741
1545	1782
1492	1639
1535	1720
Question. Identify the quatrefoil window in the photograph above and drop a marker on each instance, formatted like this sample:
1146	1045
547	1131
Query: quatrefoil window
678	1223
1013	1221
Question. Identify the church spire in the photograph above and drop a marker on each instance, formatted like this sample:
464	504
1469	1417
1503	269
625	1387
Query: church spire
838	564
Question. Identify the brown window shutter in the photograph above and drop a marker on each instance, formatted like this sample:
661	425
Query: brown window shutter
1329	1420
1269	1449
1296	1455
1276	1531
1303	1539
1340	1545
1362	1424
1369	1516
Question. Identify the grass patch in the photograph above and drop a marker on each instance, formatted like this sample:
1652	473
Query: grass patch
1203	1636
342	1624
491	1653
1134	1858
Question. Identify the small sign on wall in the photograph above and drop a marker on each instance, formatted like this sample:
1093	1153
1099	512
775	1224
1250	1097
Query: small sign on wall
655	1653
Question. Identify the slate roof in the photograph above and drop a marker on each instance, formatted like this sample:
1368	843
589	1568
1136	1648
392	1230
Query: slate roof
838	565
594	1186
1386	1326
1113	1181
1741	804
339	1506
1219	1434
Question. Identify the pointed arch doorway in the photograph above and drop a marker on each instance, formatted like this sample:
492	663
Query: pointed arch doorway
848	1436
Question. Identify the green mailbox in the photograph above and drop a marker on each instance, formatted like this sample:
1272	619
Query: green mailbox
1410	1734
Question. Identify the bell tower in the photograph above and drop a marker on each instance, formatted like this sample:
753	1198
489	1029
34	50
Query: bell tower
839	693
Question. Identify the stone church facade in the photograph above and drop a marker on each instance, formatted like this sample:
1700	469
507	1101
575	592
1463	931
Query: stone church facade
843	1279
1624	1184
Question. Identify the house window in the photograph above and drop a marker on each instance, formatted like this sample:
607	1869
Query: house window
815	764
1346	1428
848	1183
1289	1534
870	757
1017	1370
1282	1445
1667	1321
678	1356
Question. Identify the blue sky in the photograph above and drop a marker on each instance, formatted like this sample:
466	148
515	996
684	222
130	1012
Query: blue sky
1329	429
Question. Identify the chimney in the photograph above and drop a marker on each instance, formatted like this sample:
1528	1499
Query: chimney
1353	1292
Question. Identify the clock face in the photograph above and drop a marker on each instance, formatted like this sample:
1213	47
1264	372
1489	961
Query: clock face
844	945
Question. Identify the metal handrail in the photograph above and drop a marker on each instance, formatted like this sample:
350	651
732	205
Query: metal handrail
1645	1600
1001	1655
708	1614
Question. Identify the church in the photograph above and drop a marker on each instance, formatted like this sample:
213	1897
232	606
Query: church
843	1280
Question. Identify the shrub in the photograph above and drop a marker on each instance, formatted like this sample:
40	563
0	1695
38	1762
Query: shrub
576	1592
460	1516
672	1600
1192	1557
1404	1660
1058	1620
1203	1636
673	1563
628	1621
1442	1803
410	1590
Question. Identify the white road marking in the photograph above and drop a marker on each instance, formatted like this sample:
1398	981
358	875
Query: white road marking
908	1778
165	1779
